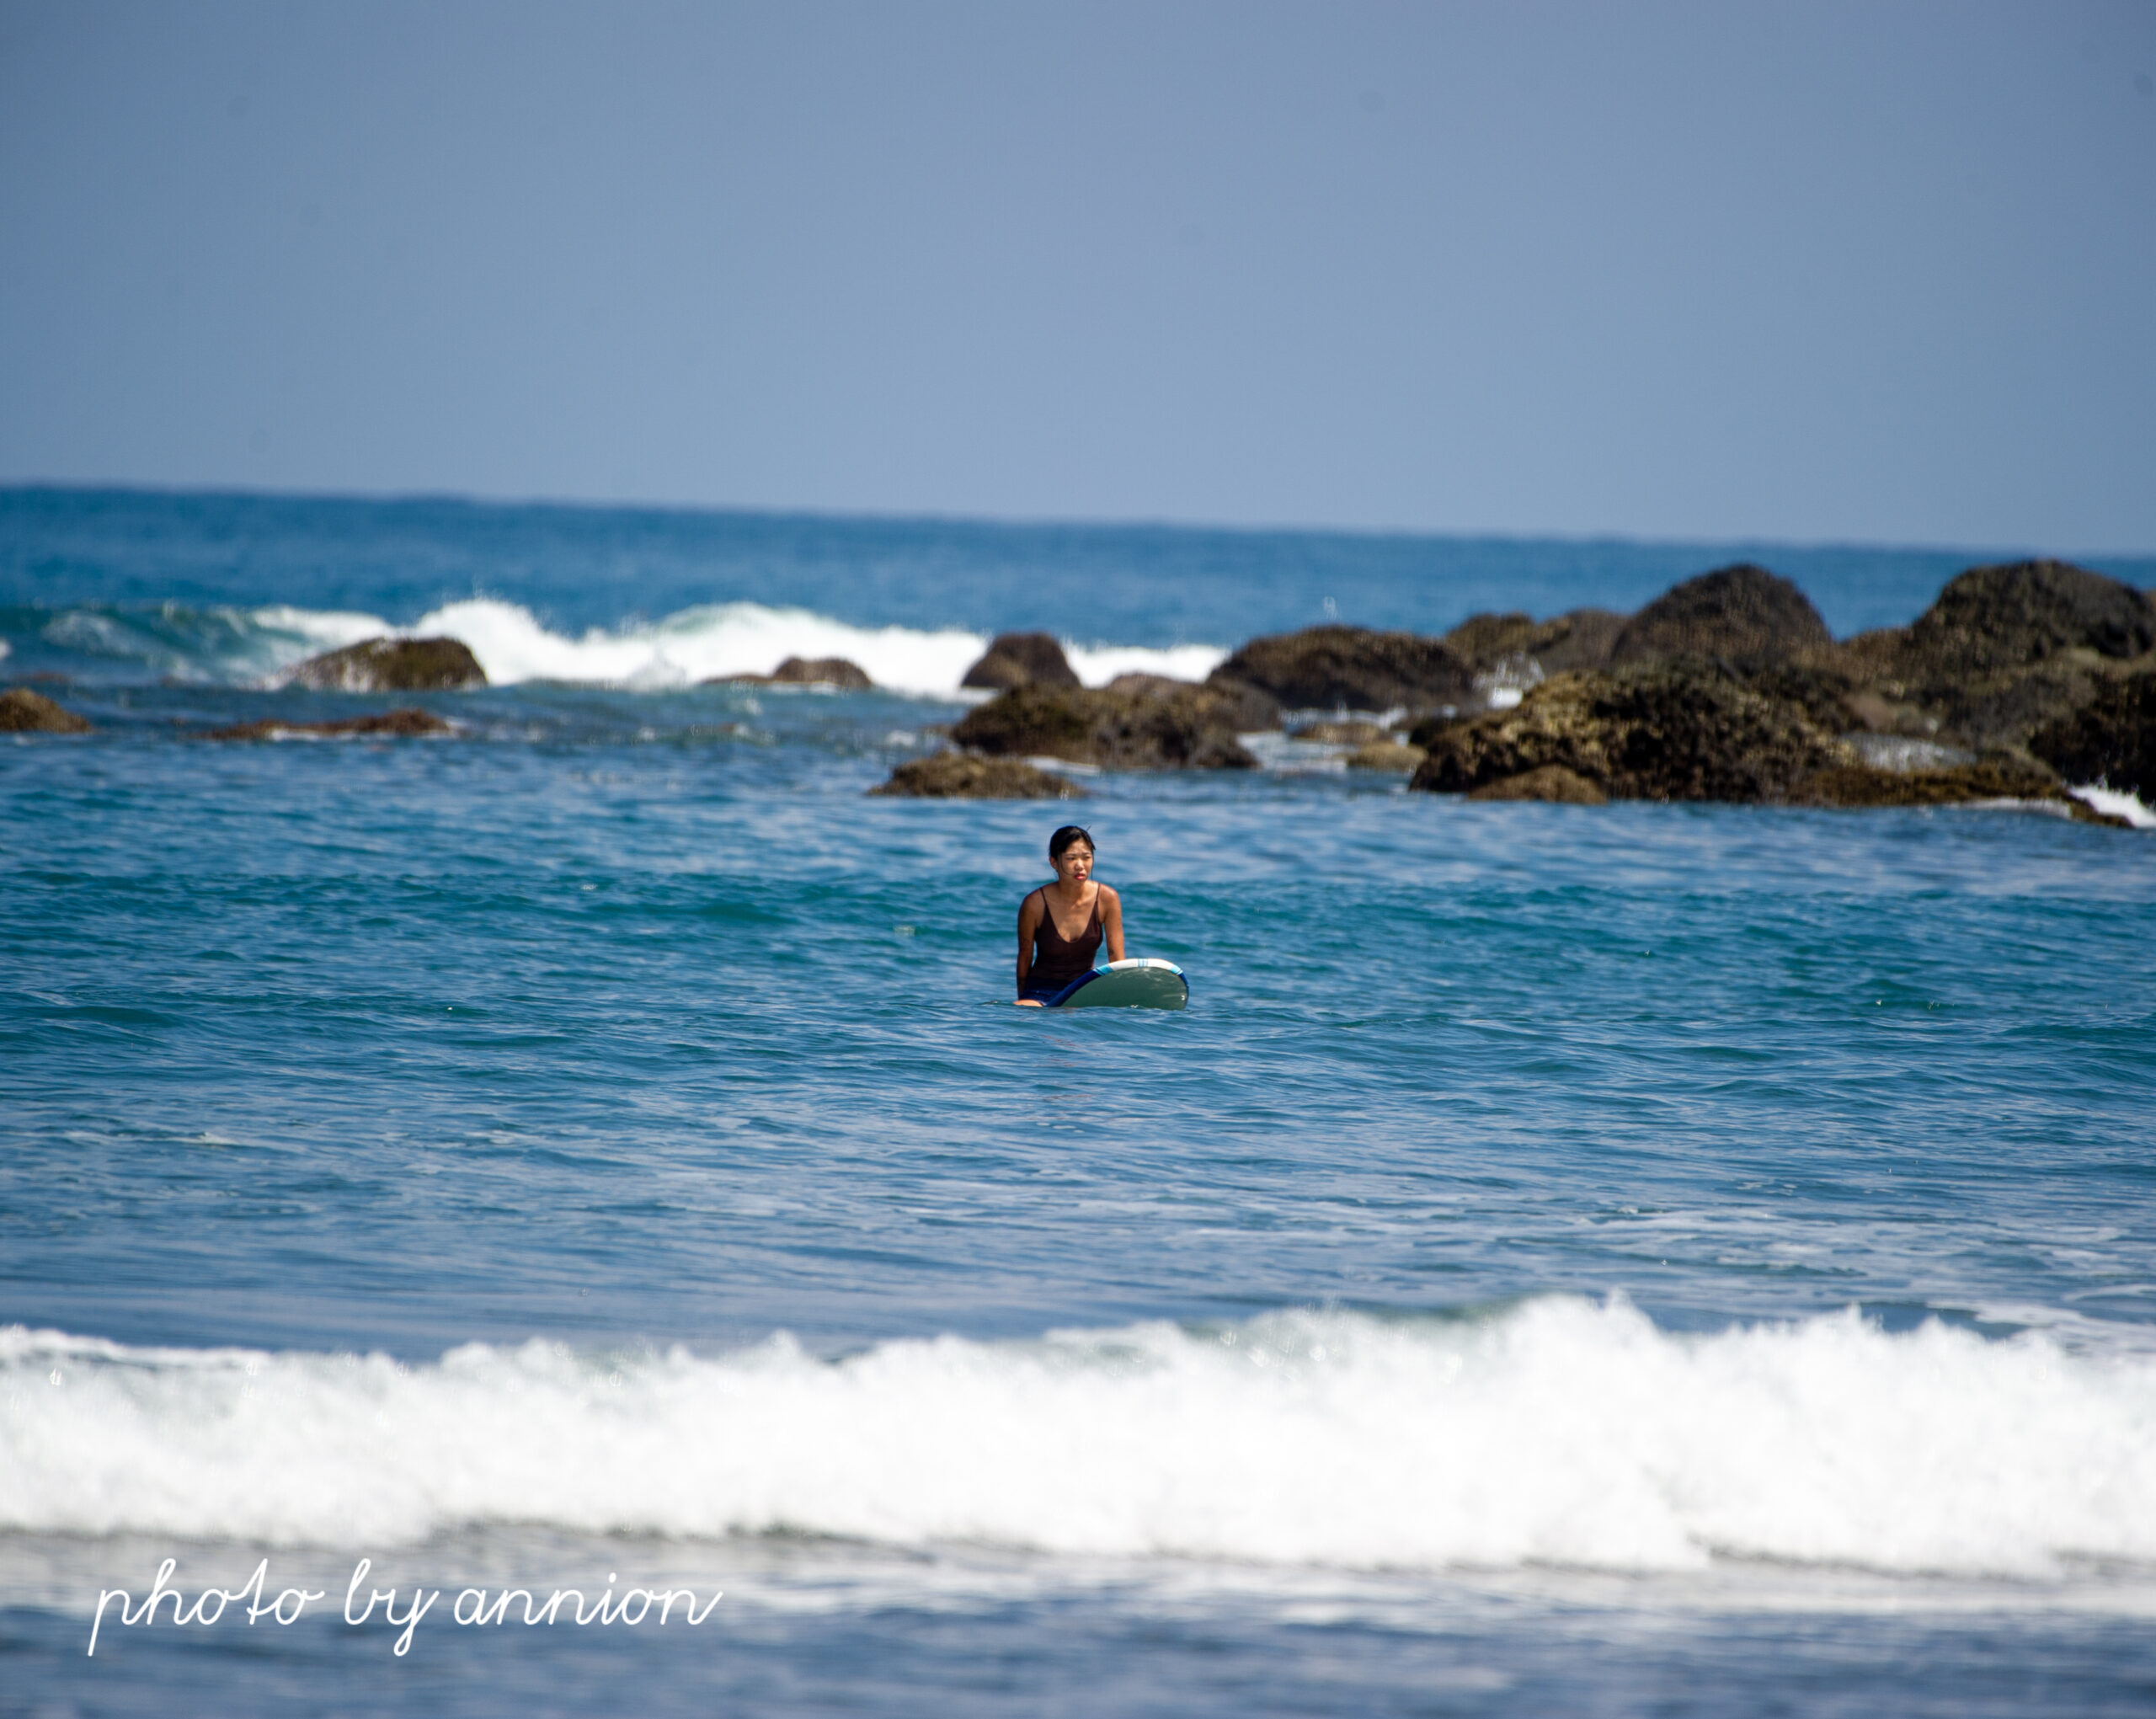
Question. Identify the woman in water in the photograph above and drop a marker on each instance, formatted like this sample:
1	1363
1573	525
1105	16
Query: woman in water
1060	925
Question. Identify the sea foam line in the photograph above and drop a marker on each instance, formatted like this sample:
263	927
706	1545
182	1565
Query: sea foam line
705	643
1563	1432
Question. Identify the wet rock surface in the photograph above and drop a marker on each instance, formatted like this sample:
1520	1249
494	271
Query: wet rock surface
2110	740
1172	725
960	776
409	722
1350	668
1022	660
1552	783
393	665
23	711
1580	639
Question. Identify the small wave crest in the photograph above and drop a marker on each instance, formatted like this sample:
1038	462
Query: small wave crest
1562	1432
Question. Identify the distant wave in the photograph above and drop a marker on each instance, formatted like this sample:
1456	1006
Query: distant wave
1562	1432
262	646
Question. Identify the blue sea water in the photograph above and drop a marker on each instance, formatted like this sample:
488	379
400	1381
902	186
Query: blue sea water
1647	1259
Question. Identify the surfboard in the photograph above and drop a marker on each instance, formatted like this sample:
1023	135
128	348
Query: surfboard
1145	983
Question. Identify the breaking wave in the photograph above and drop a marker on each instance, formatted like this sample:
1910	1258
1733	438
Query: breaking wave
262	646
1561	1432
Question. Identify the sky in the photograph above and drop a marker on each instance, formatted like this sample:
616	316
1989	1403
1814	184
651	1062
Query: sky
1814	272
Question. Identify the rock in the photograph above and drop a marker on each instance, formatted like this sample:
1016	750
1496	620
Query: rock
1354	668
1998	777
960	775
1387	755
1239	710
805	671
1743	614
23	711
1189	727
1686	730
1552	782
2111	739
1022	660
1580	639
1351	733
408	722
2010	616
393	665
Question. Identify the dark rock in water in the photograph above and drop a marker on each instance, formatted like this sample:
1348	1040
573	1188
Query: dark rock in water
23	711
1580	639
805	671
1674	731
393	665
1552	782
1743	614
2000	776
1325	668
409	722
1189	728
1994	618
1022	660
2111	739
1239	710
960	776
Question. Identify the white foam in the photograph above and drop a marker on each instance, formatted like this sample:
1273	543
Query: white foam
1096	665
1563	1432
700	644
2117	803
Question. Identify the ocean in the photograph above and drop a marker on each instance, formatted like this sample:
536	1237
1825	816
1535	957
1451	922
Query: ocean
1650	1259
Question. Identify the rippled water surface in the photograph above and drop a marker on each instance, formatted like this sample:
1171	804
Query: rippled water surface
1647	1258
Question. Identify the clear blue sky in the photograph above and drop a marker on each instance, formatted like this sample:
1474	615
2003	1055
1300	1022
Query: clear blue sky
1814	271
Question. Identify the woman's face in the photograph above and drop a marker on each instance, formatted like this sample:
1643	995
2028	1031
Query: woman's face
1074	864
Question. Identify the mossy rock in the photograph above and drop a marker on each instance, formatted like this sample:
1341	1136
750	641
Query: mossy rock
23	711
963	776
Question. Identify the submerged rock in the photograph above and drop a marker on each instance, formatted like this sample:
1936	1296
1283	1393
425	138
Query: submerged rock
2110	740
1392	756
1743	614
411	721
23	711
393	665
1552	782
1174	725
840	672
1022	660
960	775
1352	668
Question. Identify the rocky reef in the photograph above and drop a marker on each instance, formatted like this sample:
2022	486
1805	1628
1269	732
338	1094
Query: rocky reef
393	665
962	775
838	672
1021	659
2020	680
23	711
411	721
1140	721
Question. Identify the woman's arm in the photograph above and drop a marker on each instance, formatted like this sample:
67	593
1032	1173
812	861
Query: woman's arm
1029	918
1111	921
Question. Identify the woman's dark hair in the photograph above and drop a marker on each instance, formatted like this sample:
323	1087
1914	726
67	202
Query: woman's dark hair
1065	837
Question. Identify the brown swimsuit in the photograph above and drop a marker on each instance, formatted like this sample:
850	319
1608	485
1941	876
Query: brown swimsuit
1058	959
